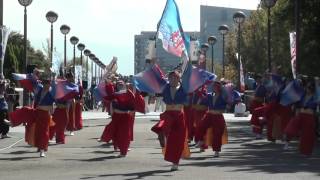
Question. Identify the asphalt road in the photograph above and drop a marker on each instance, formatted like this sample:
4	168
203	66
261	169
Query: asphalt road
85	158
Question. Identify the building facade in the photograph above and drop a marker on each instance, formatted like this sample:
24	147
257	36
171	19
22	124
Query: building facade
211	17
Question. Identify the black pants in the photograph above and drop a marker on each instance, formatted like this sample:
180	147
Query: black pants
4	128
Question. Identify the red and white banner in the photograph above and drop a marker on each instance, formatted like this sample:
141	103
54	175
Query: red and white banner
293	53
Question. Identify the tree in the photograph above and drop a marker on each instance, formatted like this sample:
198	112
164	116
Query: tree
254	38
13	62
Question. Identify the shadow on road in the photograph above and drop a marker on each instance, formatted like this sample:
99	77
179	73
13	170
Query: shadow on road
18	158
136	175
260	156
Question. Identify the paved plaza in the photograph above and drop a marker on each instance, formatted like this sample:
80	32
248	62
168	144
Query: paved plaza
82	157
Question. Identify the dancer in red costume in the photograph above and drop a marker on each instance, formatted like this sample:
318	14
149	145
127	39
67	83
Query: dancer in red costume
78	109
304	122
214	119
198	110
172	127
109	128
38	119
120	129
259	95
61	116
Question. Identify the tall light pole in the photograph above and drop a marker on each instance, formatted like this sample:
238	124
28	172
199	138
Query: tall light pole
74	40
25	3
239	18
51	17
92	57
212	41
223	29
81	47
65	29
204	49
87	52
269	4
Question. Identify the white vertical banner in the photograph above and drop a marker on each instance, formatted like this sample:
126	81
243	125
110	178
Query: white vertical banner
89	80
78	74
194	48
151	49
293	53
242	84
5	35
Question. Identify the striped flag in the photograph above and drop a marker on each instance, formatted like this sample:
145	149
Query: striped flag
150	81
64	90
195	77
292	93
99	92
27	81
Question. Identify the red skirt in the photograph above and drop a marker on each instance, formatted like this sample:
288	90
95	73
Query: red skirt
23	115
71	120
198	116
255	104
78	116
108	132
218	125
174	129
42	129
189	121
122	131
303	125
60	117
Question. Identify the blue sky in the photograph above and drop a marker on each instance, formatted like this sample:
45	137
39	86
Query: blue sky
106	27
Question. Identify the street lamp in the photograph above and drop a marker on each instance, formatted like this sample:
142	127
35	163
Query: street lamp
65	30
269	4
92	57
223	29
96	60
204	49
239	18
25	3
51	17
74	40
87	52
81	47
212	41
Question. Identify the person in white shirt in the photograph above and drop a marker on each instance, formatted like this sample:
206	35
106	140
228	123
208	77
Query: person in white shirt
240	109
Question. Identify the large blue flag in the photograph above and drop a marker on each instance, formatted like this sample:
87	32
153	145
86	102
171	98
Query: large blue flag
170	31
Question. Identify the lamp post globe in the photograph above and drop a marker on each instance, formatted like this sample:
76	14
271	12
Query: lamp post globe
87	52
239	18
51	17
25	2
268	3
65	29
212	41
81	47
204	48
223	29
74	40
